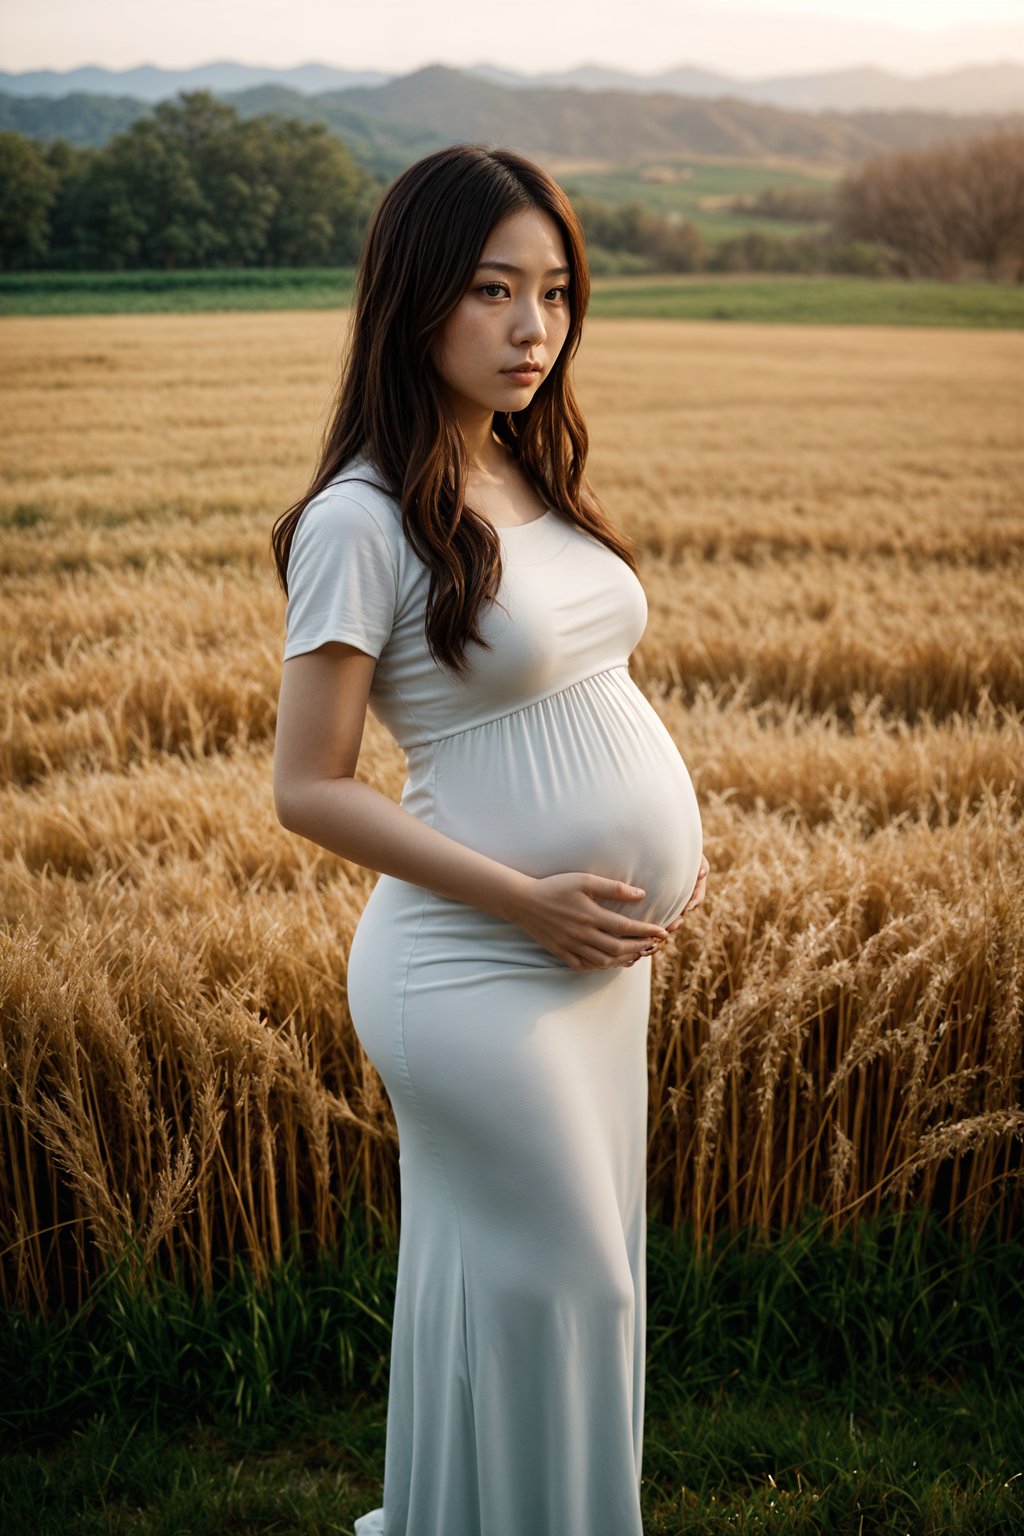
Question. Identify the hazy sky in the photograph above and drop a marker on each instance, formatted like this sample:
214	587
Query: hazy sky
741	37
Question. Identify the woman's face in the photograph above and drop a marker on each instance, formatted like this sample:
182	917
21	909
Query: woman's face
496	348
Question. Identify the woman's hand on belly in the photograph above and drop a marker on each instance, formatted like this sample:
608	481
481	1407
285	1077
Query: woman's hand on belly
564	914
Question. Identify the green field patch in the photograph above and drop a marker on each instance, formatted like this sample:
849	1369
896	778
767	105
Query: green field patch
109	293
813	300
786	297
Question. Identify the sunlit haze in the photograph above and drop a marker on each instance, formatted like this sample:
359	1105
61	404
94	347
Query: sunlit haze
749	38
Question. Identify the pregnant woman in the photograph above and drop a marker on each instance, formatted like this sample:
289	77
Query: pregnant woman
451	568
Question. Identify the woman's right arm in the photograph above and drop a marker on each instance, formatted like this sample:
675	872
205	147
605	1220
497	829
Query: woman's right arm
320	719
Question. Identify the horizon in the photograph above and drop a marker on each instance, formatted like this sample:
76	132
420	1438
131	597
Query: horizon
853	67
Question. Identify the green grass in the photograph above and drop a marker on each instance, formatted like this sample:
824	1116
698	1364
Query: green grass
313	1471
116	293
812	299
870	1385
920	1459
912	1457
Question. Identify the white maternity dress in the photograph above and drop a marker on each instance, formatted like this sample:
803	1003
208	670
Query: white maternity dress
519	1085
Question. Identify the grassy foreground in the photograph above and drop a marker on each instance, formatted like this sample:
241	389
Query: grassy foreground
817	299
921	1461
875	1384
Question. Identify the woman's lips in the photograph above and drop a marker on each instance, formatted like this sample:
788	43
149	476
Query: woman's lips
521	375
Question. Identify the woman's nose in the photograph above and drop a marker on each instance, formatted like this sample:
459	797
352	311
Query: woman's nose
529	325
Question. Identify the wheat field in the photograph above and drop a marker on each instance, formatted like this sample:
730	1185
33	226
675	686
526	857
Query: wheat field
830	528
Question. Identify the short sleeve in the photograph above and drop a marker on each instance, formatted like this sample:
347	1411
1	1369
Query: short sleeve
342	582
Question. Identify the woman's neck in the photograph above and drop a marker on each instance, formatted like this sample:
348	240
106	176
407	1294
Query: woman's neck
485	455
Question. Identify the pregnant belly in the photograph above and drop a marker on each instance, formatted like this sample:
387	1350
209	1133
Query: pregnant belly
588	779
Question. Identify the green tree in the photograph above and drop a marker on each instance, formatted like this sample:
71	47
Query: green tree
28	187
157	211
666	244
68	218
325	199
194	185
230	200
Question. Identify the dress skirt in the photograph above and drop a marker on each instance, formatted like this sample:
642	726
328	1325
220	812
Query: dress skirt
519	1088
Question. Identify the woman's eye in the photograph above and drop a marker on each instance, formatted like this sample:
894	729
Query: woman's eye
498	290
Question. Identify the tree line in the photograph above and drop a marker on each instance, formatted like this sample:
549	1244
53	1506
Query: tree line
195	185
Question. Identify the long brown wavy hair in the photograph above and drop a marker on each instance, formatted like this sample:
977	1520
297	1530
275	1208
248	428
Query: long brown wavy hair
392	408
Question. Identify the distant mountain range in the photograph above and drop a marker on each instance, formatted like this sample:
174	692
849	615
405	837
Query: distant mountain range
997	87
387	125
148	83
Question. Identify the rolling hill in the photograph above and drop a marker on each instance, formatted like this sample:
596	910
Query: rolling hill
387	125
992	87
